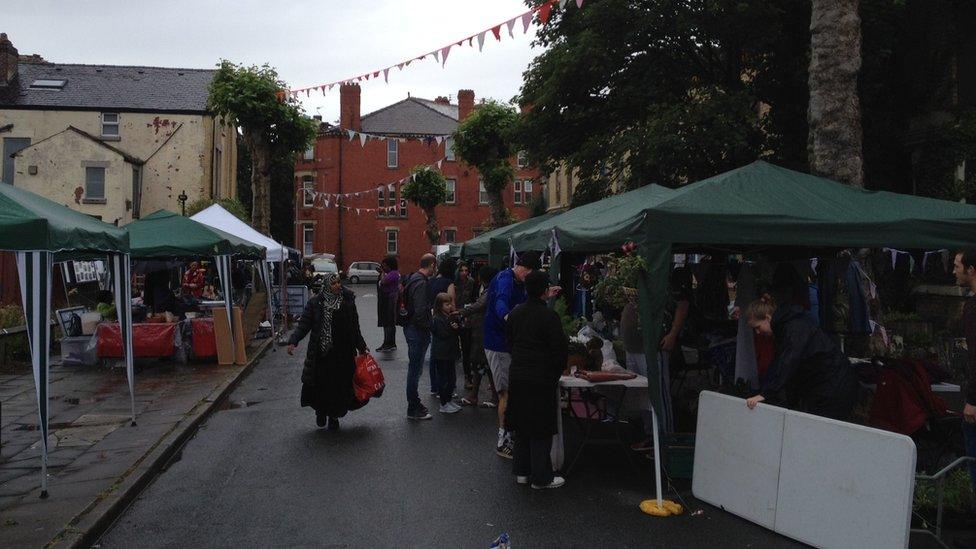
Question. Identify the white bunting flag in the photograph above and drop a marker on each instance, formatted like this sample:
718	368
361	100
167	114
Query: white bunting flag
481	40
351	134
444	52
511	24
362	140
526	21
357	211
386	75
439	139
436	55
439	162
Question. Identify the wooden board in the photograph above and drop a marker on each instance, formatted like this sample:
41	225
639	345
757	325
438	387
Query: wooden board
240	344
225	350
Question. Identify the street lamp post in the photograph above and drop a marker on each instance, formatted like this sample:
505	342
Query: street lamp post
182	199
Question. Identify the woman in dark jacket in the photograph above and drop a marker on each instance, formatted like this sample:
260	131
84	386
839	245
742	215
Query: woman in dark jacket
539	352
333	322
809	373
387	293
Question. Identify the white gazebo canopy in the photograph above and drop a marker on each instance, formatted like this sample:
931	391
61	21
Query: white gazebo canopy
217	217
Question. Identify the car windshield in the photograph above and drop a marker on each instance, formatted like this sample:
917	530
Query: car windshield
324	266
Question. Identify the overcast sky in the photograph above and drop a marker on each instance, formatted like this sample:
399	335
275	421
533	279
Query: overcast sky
309	41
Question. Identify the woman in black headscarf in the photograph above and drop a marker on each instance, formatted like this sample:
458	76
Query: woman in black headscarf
333	322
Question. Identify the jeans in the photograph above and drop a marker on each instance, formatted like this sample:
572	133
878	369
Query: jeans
531	458
969	433
417	342
447	376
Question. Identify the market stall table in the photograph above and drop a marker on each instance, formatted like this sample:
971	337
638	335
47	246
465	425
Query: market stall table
149	340
585	412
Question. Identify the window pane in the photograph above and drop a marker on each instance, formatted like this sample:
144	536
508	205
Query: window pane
522	159
110	129
450	235
391	153
527	191
110	117
449	149
518	191
391	242
451	191
94	182
482	193
310	153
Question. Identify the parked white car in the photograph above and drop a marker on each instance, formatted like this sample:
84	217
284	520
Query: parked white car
363	271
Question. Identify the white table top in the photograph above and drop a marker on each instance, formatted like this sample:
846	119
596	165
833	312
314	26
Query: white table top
570	382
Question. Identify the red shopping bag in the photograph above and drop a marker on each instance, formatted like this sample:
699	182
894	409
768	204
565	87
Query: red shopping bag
368	381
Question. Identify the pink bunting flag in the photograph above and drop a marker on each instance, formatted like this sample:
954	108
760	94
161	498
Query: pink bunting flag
579	3
526	20
511	24
446	50
400	66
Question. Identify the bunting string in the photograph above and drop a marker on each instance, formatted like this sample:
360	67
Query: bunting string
329	198
439	55
365	137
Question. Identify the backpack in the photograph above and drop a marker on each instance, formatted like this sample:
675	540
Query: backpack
403	303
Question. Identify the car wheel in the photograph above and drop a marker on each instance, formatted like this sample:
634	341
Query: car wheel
354	280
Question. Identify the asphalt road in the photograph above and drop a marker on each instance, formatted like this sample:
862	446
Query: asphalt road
259	474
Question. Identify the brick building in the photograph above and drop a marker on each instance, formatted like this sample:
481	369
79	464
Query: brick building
337	164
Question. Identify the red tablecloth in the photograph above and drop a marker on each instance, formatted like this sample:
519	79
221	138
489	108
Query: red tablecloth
204	340
148	340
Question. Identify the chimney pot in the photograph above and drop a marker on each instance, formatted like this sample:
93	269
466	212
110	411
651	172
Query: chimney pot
442	100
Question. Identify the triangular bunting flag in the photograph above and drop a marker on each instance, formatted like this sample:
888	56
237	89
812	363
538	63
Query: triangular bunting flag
579	3
497	31
526	20
436	55
471	41
376	74
400	66
386	75
562	4
439	162
460	43
323	91
438	139
545	12
481	40
444	52
351	134
362	140
511	24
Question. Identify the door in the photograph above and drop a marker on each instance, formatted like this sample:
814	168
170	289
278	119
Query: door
12	145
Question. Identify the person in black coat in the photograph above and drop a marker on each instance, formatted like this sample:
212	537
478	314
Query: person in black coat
539	347
809	372
333	322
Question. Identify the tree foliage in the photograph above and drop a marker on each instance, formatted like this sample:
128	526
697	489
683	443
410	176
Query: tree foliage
487	140
659	91
272	125
427	189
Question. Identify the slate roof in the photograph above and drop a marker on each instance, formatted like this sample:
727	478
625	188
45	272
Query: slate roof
111	87
413	116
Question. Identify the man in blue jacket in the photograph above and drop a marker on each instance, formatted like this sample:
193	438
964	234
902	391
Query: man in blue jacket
505	292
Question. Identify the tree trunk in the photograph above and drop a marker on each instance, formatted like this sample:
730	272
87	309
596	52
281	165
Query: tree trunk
260	183
834	112
497	208
432	230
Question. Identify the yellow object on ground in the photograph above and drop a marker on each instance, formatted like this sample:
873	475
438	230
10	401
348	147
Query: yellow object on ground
666	509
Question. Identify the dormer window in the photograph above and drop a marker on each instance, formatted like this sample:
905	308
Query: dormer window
47	84
110	125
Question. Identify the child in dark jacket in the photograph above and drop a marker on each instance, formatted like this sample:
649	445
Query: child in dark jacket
445	349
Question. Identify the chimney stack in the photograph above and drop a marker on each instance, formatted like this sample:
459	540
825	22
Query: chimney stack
349	107
465	104
9	57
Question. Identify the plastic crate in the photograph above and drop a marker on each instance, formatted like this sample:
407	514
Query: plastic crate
74	350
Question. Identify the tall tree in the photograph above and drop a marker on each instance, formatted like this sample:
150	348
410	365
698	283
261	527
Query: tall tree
427	189
487	140
666	92
271	124
834	112
282	203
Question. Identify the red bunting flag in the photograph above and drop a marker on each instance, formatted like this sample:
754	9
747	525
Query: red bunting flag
497	31
545	12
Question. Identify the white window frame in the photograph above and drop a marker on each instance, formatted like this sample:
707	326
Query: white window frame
453	240
527	191
381	202
309	154
106	123
522	159
88	194
518	191
451	191
308	244
395	241
449	154
482	192
392	153
308	184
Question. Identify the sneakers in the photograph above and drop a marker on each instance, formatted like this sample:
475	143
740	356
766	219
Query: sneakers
385	348
449	408
420	413
519	479
505	450
642	446
333	424
556	483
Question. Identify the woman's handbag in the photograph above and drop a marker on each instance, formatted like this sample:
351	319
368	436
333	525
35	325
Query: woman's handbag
367	381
